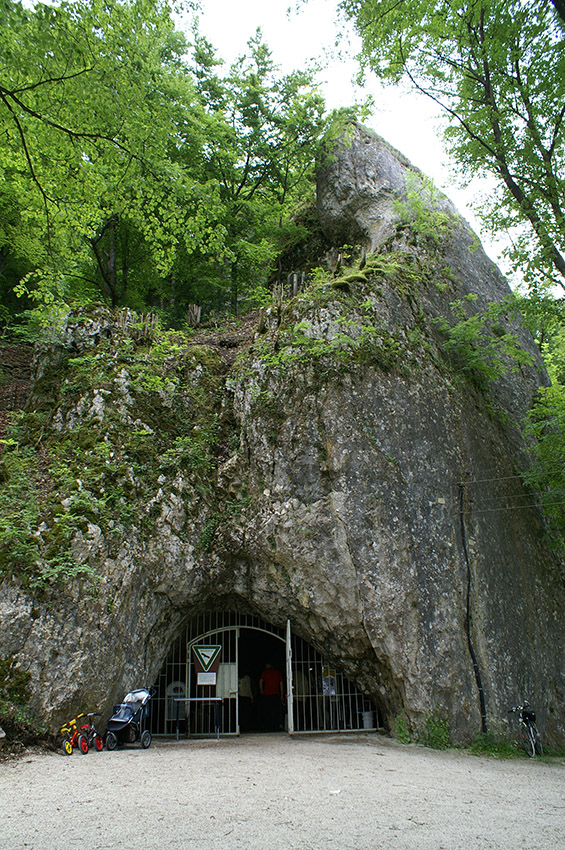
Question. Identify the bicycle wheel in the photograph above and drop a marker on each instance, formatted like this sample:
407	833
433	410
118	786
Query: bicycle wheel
83	744
98	743
528	740
67	746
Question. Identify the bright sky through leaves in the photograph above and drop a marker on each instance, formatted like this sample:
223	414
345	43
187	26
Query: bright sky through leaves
406	120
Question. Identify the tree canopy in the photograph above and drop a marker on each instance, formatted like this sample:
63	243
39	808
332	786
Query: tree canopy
132	170
497	68
262	132
90	97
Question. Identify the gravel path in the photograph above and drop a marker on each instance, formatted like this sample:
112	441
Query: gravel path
273	792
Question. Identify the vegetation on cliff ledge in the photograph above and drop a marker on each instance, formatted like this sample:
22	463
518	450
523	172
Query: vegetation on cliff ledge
107	429
116	418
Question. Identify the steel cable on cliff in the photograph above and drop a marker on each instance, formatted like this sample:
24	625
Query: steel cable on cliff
478	677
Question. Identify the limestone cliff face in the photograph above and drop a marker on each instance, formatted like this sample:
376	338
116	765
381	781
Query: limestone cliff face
346	472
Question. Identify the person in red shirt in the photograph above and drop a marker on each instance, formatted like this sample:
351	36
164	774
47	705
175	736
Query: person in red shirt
271	688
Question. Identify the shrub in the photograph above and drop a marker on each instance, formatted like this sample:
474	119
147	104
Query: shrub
436	732
401	731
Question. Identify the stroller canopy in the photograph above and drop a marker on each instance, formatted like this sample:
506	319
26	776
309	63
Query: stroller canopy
128	710
137	698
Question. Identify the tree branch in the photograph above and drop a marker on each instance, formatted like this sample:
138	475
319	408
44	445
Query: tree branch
49	80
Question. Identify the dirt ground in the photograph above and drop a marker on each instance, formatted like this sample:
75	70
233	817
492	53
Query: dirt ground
339	792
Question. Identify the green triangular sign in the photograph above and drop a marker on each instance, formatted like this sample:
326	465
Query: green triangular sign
207	655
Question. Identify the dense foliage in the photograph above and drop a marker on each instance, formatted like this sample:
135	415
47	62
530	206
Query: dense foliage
497	68
134	168
546	421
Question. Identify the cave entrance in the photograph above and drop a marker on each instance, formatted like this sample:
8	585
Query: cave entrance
317	697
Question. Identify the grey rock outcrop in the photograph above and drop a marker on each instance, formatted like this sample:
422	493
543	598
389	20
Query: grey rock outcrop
370	194
359	187
362	486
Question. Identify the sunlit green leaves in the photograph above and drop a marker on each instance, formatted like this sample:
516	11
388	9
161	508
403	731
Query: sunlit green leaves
498	70
263	132
131	169
91	98
546	423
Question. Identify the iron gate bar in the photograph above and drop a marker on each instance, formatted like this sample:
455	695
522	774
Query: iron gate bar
289	679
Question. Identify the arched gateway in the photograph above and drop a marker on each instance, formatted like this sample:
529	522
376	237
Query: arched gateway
317	696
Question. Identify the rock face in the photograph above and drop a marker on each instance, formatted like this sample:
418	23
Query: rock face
359	188
357	478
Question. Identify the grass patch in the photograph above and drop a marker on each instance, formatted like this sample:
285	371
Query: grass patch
497	747
491	745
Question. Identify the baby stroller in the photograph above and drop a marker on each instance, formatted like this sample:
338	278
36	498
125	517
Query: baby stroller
127	724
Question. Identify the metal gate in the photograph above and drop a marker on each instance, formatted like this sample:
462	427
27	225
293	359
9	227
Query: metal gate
324	700
318	697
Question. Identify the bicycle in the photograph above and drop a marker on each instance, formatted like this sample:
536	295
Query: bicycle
71	731
89	735
529	735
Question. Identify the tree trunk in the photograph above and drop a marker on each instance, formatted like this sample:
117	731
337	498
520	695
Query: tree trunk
106	259
234	287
